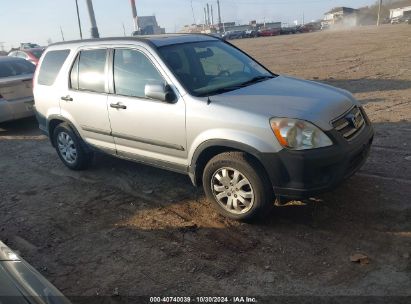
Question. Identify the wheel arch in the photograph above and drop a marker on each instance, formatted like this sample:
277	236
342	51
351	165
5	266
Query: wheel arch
54	121
211	148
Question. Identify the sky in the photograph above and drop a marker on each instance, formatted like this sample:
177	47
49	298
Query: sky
39	21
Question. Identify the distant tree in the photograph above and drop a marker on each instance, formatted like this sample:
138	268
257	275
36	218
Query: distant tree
49	41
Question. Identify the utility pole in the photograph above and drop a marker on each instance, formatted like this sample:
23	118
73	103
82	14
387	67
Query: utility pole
94	29
212	15
219	15
379	13
135	18
192	10
62	35
208	14
78	19
124	29
205	16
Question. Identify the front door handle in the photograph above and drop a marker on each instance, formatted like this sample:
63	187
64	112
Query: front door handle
66	98
118	105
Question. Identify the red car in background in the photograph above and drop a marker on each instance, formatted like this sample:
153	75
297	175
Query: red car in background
269	32
32	55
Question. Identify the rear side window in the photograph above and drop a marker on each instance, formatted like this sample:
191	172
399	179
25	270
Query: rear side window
51	66
16	68
88	71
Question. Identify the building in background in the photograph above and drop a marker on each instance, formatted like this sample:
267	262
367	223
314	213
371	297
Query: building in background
229	27
340	16
148	26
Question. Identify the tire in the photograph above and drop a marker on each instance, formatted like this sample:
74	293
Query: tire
70	148
241	192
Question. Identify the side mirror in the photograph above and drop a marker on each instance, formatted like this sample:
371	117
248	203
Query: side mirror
159	91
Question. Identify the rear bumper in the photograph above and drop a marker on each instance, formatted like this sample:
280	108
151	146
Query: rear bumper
302	174
16	109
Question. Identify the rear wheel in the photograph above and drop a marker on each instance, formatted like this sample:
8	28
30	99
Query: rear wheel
70	148
238	186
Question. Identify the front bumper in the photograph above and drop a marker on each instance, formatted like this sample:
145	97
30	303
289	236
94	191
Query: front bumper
302	174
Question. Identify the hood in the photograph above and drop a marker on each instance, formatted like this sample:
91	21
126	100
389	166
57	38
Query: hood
289	97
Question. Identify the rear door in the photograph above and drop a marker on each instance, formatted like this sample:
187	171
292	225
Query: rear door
85	101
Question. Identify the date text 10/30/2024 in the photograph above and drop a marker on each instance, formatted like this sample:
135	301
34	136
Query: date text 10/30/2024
203	300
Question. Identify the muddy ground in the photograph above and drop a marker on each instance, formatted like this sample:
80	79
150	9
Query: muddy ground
145	231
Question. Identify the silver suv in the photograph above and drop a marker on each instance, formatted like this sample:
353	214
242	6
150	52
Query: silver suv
197	105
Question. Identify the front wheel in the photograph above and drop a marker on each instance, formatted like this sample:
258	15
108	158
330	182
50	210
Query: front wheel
238	186
70	148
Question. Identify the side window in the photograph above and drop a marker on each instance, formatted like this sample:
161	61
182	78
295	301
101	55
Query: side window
51	66
132	71
91	71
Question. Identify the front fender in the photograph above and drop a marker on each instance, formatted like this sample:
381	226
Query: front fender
236	138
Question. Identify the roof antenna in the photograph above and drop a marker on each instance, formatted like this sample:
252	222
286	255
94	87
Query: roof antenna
208	100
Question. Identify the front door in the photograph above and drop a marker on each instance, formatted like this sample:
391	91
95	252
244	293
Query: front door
144	129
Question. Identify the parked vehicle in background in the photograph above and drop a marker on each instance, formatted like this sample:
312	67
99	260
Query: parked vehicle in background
217	35
20	283
251	34
197	105
29	45
406	18
32	55
288	30
266	32
16	93
233	35
311	27
324	27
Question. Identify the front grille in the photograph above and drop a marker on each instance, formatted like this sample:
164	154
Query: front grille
350	124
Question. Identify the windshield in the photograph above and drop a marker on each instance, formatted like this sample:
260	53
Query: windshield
212	67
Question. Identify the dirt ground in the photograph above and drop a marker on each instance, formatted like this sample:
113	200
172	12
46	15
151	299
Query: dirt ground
144	231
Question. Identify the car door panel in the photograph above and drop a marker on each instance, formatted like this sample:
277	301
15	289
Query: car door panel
85	101
143	127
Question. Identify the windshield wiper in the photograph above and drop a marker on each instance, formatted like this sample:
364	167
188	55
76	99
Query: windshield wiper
256	79
221	90
238	86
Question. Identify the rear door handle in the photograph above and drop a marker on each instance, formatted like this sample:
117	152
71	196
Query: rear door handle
66	98
118	105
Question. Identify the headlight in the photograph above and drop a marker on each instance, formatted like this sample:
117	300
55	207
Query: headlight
297	134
